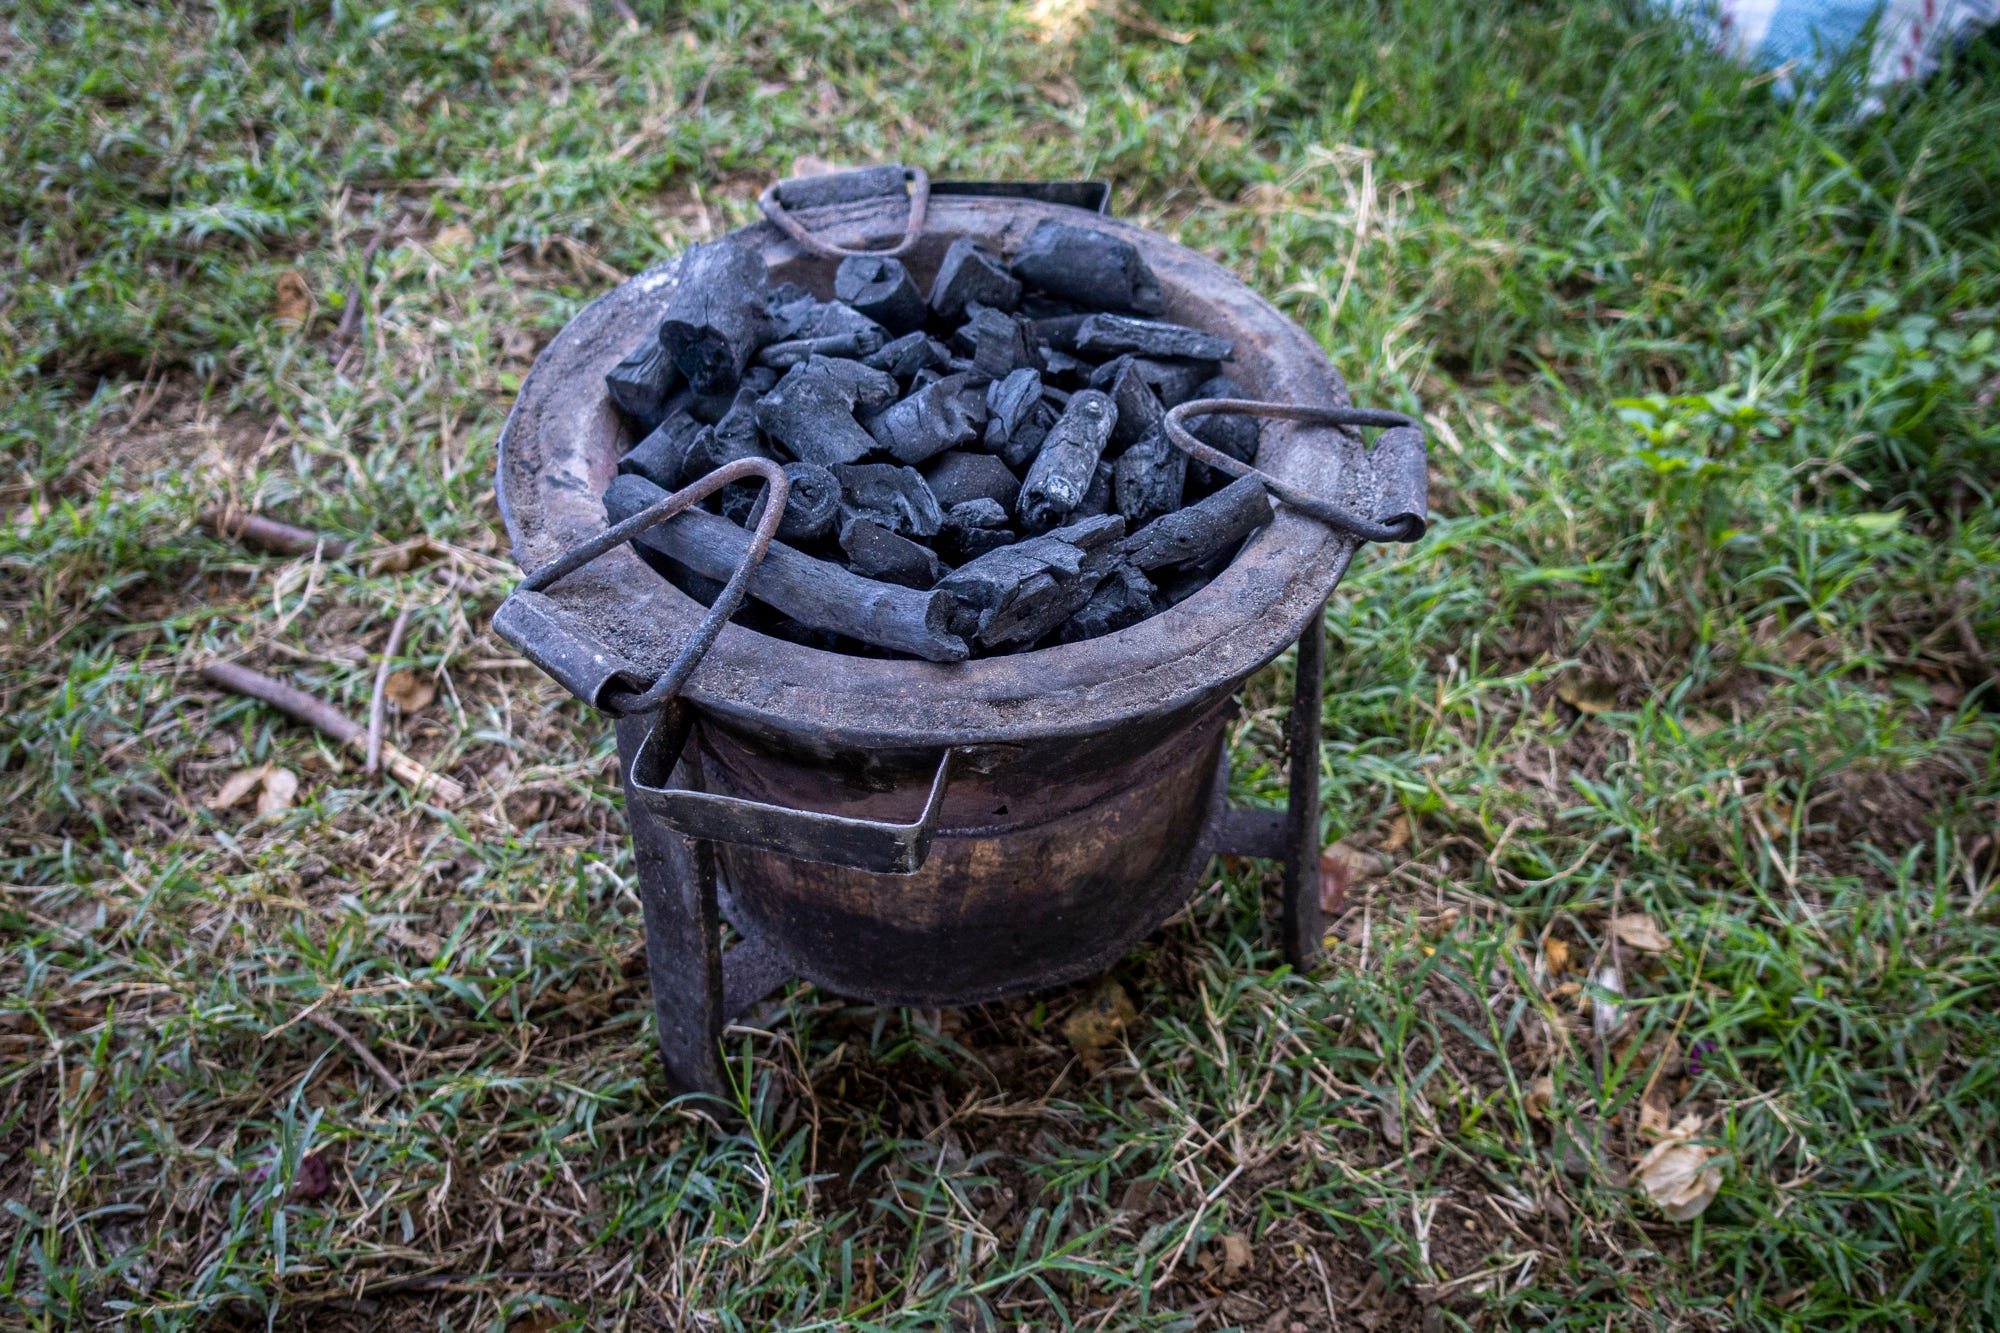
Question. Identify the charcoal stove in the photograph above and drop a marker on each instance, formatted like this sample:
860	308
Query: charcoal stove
920	833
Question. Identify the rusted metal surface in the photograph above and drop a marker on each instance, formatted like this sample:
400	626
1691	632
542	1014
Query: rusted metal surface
918	832
559	449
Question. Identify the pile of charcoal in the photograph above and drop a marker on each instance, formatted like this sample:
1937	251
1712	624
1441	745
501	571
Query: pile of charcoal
977	471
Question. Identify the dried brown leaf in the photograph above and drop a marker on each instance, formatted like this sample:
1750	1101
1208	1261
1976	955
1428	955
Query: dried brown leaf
1655	1115
1235	1254
1557	952
1587	694
1101	1019
1341	866
281	788
455	237
1641	932
294	304
1677	1175
1397	838
409	691
237	786
1541	1096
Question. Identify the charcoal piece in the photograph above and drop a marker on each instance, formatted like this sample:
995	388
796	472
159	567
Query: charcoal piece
811	413
1174	381
661	457
786	310
716	317
1111	335
875	552
1139	410
1124	597
815	593
973	528
1018	417
830	328
1062	366
736	433
973	399
641	384
962	475
760	379
1097	499
998	342
872	389
895	497
882	289
1210	527
968	274
1090	267
1060	331
1018	593
1230	433
905	356
1040	305
812	505
928	422
711	449
1066	464
1148	478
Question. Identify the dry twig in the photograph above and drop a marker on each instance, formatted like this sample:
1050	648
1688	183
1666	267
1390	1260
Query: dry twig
267	534
330	721
379	699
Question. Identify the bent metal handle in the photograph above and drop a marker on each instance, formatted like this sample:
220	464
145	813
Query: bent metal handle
561	645
804	835
843	187
1398	460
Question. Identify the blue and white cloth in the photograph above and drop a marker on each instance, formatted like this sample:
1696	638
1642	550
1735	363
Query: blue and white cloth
1908	37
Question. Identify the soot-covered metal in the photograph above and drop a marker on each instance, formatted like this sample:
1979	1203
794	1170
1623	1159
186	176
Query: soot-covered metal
934	832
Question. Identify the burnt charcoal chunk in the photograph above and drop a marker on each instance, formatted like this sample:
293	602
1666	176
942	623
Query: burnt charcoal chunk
872	388
970	274
896	498
1018	593
1018	417
961	475
813	592
1059	331
1174	381
1097	499
760	379
1067	462
1124	597
973	528
709	450
1000	343
811	413
812	504
1089	267
1139	410
905	356
928	422
1212	527
661	457
641	384
786	310
1229	433
736	433
1148	478
830	328
875	552
716	315
882	289
1111	335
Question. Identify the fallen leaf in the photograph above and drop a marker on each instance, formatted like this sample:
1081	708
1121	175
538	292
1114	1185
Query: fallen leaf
1398	836
1235	1254
1676	1174
408	691
1655	1115
541	1321
294	305
1391	1120
1101	1018
281	788
454	237
1541	1096
1587	694
312	1180
1341	866
1641	933
237	786
405	556
1557	952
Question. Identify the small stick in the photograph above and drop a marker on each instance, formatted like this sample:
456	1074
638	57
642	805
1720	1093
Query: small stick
375	1066
268	534
380	697
329	721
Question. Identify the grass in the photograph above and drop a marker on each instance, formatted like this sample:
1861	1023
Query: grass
1711	379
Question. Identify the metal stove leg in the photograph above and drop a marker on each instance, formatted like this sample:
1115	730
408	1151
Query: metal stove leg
683	936
1304	923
